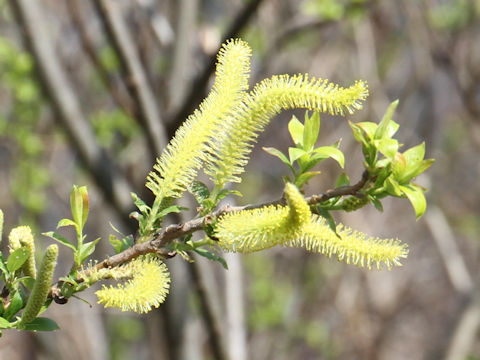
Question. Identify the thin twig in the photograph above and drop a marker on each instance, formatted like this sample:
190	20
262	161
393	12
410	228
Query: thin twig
160	240
115	188
118	93
123	43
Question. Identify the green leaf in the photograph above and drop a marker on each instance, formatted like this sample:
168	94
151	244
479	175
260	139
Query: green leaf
200	191
28	281
327	216
211	256
3	266
120	245
41	324
295	153
15	306
386	128
343	180
79	205
225	192
368	128
311	130
388	147
357	132
87	249
376	202
295	128
303	178
171	209
392	187
5	324
61	239
415	164
280	155
416	196
140	204
66	222
17	259
415	171
331	152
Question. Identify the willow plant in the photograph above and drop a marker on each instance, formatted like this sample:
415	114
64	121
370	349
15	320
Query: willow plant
219	137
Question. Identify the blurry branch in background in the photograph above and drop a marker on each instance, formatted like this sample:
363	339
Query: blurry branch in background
118	93
123	42
199	84
53	78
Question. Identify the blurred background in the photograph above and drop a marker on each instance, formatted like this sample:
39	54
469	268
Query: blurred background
90	93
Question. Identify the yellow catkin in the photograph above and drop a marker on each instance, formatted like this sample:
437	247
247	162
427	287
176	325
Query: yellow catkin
266	100
147	288
21	236
259	229
42	285
352	247
184	155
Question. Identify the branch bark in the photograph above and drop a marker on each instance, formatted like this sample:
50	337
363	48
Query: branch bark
116	189
123	43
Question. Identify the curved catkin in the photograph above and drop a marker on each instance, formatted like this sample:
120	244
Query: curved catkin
259	229
186	152
22	236
266	100
41	288
352	247
147	288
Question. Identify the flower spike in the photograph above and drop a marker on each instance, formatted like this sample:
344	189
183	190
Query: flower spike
147	288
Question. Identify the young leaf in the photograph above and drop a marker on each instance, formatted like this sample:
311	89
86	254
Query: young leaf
225	192
120	245
368	128
170	209
311	131
15	305
378	205
392	187
87	250
28	282
79	205
303	178
4	323
331	152
17	259
295	128
280	155
295	153
211	256
66	222
388	147
415	194
41	324
343	180
200	191
140	204
60	238
386	128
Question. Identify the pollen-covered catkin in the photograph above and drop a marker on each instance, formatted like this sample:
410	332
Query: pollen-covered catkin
41	288
259	229
22	236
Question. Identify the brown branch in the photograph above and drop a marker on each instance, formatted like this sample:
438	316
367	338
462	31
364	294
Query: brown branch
161	239
54	80
123	43
118	93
